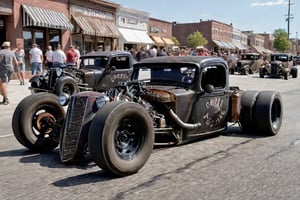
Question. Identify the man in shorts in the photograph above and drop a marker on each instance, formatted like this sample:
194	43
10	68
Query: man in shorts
7	62
36	59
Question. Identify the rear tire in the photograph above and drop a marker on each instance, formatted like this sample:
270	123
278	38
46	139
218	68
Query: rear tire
268	112
248	101
121	137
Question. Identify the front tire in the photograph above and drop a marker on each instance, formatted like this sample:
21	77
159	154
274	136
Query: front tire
121	137
66	84
36	122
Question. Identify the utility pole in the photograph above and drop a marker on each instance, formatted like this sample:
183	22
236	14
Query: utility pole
289	18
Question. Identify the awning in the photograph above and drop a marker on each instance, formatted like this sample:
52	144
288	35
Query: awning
6	7
168	41
34	16
239	46
158	40
135	36
219	44
97	27
261	50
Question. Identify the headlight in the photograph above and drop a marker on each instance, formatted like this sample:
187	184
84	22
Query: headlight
58	72
101	101
63	99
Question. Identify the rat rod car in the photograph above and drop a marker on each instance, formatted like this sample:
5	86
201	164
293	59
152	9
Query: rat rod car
281	65
247	64
169	100
98	71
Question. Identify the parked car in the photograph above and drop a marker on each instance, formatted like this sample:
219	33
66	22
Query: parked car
296	60
247	64
280	65
169	100
98	71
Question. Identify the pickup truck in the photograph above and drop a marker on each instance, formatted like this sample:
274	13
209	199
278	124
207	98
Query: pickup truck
169	100
98	71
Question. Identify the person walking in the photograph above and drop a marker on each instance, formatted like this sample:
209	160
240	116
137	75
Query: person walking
7	62
36	59
20	56
58	57
49	59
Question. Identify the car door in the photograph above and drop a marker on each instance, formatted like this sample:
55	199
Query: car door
211	108
119	69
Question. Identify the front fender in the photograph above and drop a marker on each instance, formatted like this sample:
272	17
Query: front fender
38	81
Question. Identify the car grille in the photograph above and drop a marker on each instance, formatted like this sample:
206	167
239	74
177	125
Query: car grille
72	127
274	68
52	78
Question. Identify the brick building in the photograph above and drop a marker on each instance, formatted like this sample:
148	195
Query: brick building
161	32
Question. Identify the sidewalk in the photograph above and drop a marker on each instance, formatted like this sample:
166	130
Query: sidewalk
16	93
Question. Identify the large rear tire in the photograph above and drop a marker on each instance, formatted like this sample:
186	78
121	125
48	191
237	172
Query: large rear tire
268	112
248	101
121	137
36	122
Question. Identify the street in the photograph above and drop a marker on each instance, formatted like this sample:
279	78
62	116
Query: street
230	166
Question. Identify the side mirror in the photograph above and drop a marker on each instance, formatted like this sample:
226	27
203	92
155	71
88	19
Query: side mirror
208	88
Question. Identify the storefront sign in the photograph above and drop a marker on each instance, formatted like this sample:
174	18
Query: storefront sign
92	12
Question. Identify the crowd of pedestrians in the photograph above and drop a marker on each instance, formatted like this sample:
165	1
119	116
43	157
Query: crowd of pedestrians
230	56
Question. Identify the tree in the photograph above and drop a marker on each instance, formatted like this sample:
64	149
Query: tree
176	42
196	39
281	41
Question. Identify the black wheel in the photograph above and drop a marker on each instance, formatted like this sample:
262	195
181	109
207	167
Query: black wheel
294	72
121	138
261	73
286	75
231	70
248	101
66	84
268	112
36	122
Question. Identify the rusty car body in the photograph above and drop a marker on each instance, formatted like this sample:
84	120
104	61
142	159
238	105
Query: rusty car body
248	63
169	100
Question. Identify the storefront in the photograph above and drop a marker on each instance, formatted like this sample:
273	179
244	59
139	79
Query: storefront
133	25
94	29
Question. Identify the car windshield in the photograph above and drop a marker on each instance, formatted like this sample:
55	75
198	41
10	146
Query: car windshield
166	74
279	57
95	62
249	57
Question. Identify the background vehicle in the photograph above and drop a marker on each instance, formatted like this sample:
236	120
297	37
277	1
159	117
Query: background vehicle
98	71
296	60
280	65
169	100
247	64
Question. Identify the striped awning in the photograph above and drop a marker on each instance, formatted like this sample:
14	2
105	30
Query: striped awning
34	16
158	40
97	27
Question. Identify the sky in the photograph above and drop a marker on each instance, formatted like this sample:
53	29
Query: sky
260	16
